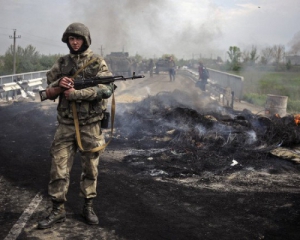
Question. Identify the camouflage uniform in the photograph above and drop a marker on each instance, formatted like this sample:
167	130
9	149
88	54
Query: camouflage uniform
90	105
172	72
151	66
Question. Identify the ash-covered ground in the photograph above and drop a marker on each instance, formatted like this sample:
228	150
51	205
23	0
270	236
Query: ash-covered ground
179	166
206	141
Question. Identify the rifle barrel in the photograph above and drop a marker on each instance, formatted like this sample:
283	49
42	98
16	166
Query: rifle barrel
89	82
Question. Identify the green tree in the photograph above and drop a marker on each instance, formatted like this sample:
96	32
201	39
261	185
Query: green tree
279	54
8	61
138	58
295	44
288	65
27	60
267	55
181	62
46	61
250	57
253	55
169	55
234	55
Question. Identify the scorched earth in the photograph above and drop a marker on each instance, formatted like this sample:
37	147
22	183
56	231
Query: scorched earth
179	166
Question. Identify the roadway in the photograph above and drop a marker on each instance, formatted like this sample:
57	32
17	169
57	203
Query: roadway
27	130
130	206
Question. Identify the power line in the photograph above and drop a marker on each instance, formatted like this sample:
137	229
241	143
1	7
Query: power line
15	37
42	40
101	51
29	37
30	40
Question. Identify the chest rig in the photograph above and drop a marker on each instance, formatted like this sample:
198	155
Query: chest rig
80	67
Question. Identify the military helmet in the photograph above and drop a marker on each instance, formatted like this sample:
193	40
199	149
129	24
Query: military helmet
78	29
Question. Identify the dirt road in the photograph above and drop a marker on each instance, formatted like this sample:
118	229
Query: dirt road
149	186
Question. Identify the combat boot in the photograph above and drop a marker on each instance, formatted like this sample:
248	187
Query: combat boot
57	215
88	212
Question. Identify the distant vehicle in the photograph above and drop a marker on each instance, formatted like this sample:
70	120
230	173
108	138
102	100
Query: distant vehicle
119	63
162	65
184	67
143	67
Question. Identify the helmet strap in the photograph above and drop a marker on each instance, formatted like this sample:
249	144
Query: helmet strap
82	49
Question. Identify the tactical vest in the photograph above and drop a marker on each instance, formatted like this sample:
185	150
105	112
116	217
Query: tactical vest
87	111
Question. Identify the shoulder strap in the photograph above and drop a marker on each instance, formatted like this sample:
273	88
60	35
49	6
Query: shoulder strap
76	122
83	67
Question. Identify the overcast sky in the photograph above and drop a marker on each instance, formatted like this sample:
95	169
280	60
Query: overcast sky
152	28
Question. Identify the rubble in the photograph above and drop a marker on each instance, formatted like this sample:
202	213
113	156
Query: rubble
163	115
182	160
203	137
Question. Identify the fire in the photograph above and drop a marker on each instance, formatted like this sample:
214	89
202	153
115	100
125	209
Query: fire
297	119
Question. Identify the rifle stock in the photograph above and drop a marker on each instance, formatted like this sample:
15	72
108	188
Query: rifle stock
50	93
54	92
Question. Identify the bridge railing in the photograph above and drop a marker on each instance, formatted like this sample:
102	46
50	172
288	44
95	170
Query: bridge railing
22	76
227	80
27	82
224	80
31	80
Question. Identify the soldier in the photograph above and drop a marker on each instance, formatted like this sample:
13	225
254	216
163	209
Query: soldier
90	104
151	66
203	76
171	69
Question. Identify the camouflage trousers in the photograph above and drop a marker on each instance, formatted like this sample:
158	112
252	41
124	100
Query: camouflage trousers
63	150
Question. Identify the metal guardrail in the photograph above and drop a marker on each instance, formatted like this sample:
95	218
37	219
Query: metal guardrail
22	76
227	80
224	80
26	84
29	80
12	85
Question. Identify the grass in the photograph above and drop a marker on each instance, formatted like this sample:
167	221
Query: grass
257	84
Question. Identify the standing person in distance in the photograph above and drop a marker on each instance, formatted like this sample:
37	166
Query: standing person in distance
171	69
203	76
151	66
90	105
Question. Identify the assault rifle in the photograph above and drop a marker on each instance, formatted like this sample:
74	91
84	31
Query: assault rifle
52	93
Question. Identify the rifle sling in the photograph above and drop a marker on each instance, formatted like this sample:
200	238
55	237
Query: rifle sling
76	122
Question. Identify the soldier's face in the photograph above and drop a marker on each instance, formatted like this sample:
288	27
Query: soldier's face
75	42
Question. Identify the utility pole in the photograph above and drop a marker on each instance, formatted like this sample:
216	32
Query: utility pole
15	37
101	51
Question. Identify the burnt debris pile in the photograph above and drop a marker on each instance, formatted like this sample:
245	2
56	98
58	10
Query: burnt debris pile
174	134
203	131
178	135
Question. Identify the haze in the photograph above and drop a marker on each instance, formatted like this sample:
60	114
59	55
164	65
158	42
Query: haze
190	28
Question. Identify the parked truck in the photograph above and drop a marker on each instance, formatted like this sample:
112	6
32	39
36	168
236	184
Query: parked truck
119	63
162	65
